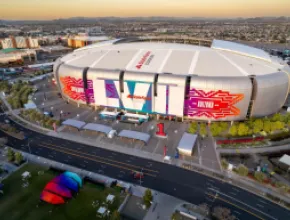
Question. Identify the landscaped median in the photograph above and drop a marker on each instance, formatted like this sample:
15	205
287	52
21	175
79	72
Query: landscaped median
255	132
11	131
17	94
37	117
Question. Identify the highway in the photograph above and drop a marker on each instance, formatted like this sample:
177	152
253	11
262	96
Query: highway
184	184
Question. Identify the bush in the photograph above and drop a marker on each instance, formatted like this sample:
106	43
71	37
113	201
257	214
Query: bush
260	177
10	155
224	164
147	198
18	158
221	213
284	187
242	170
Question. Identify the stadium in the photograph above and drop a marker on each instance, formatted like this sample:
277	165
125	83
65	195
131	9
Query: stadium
225	81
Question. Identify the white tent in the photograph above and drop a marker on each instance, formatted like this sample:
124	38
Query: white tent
285	159
186	144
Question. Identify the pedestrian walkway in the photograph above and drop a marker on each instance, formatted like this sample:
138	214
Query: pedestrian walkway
163	206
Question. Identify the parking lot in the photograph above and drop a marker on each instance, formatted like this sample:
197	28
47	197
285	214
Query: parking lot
48	100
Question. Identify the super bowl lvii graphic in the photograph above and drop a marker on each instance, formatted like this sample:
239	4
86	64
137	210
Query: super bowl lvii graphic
213	104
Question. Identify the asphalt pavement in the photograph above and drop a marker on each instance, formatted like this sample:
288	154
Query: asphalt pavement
184	184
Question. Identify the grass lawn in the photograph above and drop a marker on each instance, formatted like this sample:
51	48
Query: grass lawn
19	203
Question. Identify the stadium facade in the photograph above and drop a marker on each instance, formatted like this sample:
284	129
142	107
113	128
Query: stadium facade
224	82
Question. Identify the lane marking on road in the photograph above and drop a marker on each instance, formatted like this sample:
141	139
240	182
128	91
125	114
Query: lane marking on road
226	201
237	212
99	161
235	189
262	201
233	193
269	216
103	158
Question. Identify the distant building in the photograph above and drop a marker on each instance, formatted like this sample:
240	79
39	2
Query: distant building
19	42
7	43
12	55
81	41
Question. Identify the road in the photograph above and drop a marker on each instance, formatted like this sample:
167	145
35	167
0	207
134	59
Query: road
184	184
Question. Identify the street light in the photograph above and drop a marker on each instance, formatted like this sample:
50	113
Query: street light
28	145
60	114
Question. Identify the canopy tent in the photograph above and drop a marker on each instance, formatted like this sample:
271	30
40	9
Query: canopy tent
186	144
58	190
74	123
25	175
135	135
74	176
105	114
51	198
98	127
66	182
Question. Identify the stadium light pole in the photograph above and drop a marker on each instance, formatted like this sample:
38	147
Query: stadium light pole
28	145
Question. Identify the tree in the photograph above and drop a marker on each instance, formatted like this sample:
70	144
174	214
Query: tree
221	213
215	129
192	128
10	155
276	117
224	125
259	176
175	216
115	215
242	170
267	126
258	126
18	158
233	130
147	198
243	129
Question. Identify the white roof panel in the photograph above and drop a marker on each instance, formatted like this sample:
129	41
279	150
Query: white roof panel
223	59
135	135
148	60
98	127
74	123
241	49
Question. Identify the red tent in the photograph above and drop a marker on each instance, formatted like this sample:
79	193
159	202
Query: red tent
51	198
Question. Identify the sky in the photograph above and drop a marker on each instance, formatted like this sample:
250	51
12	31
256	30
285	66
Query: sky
53	9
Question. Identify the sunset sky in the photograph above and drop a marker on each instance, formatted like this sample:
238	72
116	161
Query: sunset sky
52	9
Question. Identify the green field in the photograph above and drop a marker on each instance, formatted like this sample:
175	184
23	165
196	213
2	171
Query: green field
20	203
